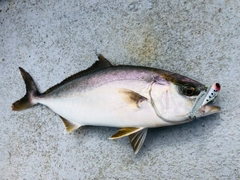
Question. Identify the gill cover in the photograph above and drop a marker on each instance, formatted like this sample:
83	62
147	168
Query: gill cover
169	104
173	101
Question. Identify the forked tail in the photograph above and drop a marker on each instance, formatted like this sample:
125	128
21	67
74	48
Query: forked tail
31	92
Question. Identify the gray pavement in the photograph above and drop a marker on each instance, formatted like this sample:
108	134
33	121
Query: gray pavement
54	39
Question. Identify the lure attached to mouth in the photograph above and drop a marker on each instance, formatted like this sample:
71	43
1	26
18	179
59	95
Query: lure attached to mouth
212	93
204	98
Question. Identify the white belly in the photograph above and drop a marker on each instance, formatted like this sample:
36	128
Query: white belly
104	106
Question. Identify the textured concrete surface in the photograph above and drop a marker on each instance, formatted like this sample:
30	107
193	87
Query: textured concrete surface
54	39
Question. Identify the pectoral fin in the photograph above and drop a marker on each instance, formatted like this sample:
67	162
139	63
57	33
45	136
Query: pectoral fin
137	139
131	97
125	132
70	127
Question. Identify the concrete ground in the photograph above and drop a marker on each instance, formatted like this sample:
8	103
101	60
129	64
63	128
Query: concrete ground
54	39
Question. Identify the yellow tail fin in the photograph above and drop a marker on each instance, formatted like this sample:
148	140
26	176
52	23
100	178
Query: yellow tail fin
31	92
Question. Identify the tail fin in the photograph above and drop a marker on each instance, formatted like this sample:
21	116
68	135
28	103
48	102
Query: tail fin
31	91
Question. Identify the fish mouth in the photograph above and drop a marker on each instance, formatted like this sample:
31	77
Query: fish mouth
203	103
208	110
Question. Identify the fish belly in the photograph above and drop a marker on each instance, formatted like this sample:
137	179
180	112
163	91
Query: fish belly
103	106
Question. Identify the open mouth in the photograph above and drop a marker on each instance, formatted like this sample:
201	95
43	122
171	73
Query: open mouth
208	110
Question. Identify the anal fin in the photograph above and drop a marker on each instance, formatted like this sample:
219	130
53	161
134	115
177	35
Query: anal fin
70	126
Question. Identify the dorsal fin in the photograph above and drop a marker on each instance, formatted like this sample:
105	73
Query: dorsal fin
101	64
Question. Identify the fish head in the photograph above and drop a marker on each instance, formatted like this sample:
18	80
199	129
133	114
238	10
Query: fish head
173	98
191	91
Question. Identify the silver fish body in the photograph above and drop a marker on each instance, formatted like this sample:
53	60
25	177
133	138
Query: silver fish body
131	98
96	99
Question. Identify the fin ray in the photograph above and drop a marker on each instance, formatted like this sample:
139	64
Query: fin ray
137	139
125	132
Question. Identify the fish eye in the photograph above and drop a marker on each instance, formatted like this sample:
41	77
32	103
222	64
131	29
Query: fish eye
188	91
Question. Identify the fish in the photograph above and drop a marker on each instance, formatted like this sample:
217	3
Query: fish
131	98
